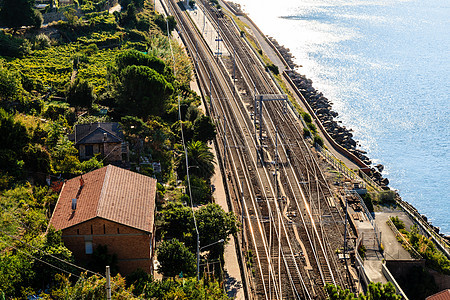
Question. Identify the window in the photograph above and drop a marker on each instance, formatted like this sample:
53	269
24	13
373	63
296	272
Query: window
88	150
88	247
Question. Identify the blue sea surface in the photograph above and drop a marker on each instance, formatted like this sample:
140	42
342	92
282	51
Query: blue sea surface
385	65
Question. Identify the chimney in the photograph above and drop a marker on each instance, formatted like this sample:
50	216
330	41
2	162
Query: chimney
105	136
74	204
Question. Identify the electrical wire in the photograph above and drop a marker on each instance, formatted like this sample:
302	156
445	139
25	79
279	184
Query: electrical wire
40	260
61	260
48	254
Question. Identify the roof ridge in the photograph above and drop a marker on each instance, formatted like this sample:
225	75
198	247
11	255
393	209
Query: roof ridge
75	132
99	125
109	133
104	189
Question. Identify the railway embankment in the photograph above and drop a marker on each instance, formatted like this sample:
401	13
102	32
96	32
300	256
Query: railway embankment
338	135
343	137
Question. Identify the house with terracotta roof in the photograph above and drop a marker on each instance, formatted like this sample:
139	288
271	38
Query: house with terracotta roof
105	138
110	206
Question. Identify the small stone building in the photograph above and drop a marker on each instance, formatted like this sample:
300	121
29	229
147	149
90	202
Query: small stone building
100	138
109	206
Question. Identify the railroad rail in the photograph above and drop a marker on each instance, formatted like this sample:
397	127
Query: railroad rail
292	224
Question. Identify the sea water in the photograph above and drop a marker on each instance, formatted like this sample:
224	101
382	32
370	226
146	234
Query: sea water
385	65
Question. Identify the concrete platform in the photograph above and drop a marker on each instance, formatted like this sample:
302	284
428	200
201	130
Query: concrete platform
208	29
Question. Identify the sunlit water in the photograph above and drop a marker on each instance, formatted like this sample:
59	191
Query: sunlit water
385	66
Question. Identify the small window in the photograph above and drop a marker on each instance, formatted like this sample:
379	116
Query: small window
89	150
88	247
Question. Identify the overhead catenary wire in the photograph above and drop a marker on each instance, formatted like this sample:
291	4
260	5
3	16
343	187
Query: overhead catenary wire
185	155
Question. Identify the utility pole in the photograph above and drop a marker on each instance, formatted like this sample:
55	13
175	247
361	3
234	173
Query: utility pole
108	283
234	69
345	228
225	140
218	40
242	211
198	257
276	162
210	94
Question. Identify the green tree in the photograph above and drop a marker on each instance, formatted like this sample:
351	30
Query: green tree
137	3
36	158
204	129
200	190
200	157
80	93
176	216
142	91
13	134
12	46
71	16
17	13
136	58
10	86
91	165
215	224
376	291
184	289
52	246
134	127
379	291
92	287
64	157
174	257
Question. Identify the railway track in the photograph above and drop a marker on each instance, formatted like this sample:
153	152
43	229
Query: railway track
292	223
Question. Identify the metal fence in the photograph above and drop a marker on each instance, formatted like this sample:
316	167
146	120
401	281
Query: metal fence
369	216
405	243
338	165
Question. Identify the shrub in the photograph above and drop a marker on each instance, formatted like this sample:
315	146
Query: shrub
14	47
397	223
272	67
201	191
306	117
42	42
318	140
312	127
362	251
306	132
387	196
368	201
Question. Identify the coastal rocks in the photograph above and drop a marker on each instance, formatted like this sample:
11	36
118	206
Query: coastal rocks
380	167
322	108
285	52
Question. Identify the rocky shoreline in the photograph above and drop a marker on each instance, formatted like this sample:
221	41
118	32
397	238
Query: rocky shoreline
323	109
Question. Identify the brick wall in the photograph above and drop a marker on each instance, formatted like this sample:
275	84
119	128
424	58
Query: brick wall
133	247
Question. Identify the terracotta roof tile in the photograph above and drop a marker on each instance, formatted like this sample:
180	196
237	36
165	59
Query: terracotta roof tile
442	295
111	193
